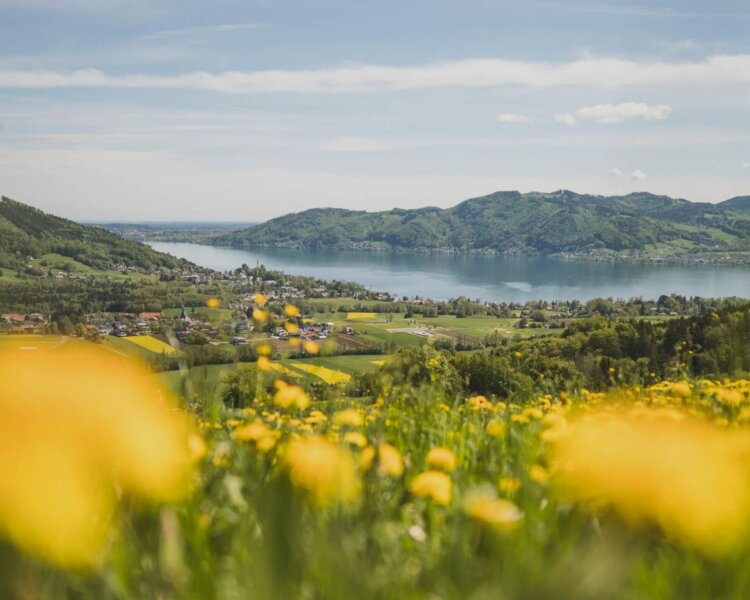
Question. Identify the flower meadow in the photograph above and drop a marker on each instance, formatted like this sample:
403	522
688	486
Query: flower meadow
111	489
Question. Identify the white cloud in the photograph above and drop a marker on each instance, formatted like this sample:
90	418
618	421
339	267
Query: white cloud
617	173
746	164
227	27
597	72
565	118
616	113
513	118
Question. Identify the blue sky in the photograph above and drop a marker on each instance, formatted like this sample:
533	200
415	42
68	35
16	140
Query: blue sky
178	109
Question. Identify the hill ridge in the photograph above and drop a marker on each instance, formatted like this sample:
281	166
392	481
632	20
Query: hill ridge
513	222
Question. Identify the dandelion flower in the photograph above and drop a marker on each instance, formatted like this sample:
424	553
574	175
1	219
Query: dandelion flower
685	475
260	299
441	458
491	512
435	485
349	416
322	470
213	303
291	311
290	395
389	459
74	424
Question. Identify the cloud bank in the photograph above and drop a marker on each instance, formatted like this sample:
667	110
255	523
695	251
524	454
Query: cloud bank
354	78
616	113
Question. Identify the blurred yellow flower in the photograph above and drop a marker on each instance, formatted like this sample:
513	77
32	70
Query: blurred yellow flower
291	327
290	395
349	416
496	429
291	311
441	458
538	474
295	342
434	485
685	475
260	299
355	438
260	315
389	460
311	347
322	470
264	364
213	303
509	485
480	403
258	434
264	349
495	513
74	424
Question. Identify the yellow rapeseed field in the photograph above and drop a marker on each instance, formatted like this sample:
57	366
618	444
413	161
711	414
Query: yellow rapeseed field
151	343
324	373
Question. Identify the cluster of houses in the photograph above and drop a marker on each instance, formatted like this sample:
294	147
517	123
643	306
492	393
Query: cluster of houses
307	331
24	323
123	324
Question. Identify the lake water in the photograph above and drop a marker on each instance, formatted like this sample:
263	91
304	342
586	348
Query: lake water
496	278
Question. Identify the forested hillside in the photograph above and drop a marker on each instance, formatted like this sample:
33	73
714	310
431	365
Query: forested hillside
533	223
28	232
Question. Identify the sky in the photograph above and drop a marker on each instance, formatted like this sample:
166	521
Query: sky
249	109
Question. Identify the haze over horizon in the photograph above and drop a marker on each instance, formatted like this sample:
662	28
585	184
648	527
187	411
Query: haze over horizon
244	111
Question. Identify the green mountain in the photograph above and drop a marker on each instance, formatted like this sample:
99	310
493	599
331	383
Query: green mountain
738	204
533	223
28	232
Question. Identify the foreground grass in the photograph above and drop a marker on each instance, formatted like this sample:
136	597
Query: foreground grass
414	494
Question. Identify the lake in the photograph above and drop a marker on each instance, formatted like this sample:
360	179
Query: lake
495	278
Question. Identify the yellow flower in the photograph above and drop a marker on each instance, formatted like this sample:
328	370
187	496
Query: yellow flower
291	311
290	395
251	432
311	347
434	485
196	446
322	470
509	485
213	303
260	315
264	349
497	514
538	473
480	403
389	460
316	417
686	475
260	299
441	458
355	438
349	416
496	429
295	342
76	423
291	327
263	363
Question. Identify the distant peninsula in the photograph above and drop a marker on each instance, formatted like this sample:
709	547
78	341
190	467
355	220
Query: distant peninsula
637	227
